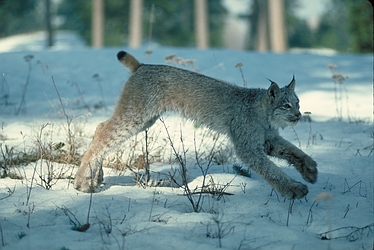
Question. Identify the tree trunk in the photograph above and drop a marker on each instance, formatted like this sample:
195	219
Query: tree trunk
97	23
262	27
277	25
48	20
136	24
201	24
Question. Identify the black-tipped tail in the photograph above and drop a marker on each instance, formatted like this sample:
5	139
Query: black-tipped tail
121	55
128	61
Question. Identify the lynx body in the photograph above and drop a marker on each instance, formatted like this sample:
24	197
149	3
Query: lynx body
249	117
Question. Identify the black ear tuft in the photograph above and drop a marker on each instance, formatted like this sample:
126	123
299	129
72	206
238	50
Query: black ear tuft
121	55
273	89
291	85
271	81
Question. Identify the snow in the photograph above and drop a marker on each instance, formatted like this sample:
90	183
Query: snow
161	217
37	41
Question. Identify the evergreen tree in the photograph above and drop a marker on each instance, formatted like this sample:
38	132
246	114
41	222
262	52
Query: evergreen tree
19	16
360	25
332	31
299	33
76	16
347	26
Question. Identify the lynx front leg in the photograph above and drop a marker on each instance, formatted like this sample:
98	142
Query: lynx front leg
281	182
279	147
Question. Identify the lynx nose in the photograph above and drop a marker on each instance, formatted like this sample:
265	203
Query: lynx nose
298	115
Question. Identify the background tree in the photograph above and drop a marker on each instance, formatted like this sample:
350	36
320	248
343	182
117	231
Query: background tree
201	27
136	23
277	26
332	31
174	22
48	22
300	34
76	15
19	16
97	23
360	25
173	26
347	26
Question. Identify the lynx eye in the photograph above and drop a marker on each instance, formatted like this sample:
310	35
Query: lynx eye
287	106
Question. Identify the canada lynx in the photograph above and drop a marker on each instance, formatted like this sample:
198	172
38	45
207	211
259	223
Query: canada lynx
249	117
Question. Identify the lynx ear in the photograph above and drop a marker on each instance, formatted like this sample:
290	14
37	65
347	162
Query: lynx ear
291	86
273	90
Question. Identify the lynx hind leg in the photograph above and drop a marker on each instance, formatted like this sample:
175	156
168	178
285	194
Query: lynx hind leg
108	136
90	174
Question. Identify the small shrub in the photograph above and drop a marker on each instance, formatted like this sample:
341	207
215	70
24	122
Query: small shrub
21	234
339	88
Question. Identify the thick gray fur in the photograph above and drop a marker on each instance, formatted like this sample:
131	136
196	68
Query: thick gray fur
249	117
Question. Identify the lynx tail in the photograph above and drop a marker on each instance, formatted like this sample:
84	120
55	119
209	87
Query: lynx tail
128	61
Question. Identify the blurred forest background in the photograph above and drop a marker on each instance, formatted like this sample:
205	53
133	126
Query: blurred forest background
345	25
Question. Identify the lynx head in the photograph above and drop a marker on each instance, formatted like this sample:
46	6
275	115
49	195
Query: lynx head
283	105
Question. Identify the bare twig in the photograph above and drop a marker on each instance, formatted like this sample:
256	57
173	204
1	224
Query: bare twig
239	65
2	236
10	193
183	169
97	77
107	226
221	231
147	174
152	20
29	189
77	226
4	91
31	210
290	206
353	234
22	104
152	203
346	211
90	203
349	188
71	136
310	214
296	136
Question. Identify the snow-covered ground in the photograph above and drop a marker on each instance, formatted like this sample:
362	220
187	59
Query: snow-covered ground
126	216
